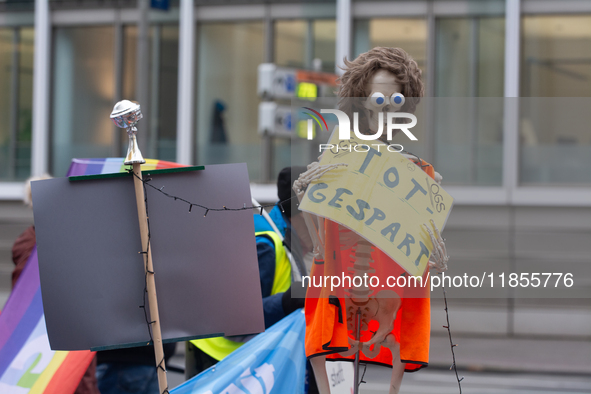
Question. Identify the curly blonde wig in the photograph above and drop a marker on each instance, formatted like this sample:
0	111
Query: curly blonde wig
359	72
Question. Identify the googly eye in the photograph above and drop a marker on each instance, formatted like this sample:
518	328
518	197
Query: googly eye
377	100
397	100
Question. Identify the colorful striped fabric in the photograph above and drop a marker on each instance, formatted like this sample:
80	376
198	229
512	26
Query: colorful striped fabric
113	164
27	363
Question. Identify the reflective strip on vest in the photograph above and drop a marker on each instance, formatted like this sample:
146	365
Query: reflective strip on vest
220	347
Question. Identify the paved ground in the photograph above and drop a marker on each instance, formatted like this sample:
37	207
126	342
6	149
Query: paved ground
488	366
514	354
444	382
434	380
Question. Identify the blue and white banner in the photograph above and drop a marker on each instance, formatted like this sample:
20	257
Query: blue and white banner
272	362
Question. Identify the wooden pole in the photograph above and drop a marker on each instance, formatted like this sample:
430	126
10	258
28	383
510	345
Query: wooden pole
356	362
151	285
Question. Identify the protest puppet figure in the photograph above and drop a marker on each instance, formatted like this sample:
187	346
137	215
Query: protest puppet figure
394	329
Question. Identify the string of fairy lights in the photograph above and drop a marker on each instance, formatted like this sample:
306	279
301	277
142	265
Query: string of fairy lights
451	343
260	207
207	209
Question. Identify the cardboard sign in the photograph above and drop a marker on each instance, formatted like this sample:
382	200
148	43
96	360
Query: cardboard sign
92	274
382	196
340	377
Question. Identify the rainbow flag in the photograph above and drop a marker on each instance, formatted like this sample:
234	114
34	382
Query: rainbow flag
113	164
27	363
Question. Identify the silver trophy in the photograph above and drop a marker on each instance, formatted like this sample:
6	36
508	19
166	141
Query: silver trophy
125	115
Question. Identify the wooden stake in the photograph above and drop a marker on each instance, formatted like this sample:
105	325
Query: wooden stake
151	285
356	362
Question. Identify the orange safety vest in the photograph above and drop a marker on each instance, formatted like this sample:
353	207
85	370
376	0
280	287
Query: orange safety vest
326	325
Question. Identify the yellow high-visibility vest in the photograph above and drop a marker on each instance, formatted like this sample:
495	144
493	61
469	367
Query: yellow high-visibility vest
220	347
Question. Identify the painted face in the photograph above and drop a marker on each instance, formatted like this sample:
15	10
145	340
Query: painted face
383	95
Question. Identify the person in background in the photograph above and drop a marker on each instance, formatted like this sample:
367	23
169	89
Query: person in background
274	269
23	246
130	370
21	251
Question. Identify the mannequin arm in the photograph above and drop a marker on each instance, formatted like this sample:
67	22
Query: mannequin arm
314	224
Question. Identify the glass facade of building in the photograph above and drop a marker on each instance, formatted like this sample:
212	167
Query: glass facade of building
555	143
227	101
299	42
469	70
461	52
16	92
83	93
407	33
